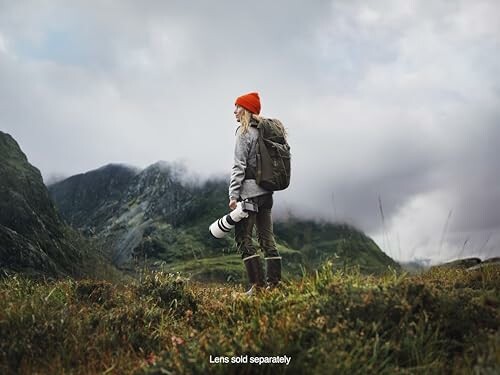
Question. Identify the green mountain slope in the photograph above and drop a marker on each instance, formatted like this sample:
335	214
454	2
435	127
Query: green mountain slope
32	237
343	243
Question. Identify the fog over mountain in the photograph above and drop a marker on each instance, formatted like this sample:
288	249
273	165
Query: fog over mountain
392	108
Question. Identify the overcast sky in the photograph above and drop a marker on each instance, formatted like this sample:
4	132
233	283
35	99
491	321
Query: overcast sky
391	102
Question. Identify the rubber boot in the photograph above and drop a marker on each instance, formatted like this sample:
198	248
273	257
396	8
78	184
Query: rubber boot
255	273
273	270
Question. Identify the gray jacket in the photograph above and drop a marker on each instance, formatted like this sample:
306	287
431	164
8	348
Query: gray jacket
243	183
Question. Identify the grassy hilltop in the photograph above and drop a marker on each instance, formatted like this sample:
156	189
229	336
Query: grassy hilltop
335	321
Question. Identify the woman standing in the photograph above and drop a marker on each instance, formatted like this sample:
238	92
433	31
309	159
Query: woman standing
243	187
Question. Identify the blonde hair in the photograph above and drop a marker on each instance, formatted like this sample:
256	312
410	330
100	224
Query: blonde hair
245	118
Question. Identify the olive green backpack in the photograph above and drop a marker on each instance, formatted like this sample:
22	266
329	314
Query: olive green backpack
273	156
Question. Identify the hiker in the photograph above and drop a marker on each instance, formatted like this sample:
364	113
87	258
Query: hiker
243	187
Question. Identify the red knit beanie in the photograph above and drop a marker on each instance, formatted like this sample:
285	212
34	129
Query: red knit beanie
250	102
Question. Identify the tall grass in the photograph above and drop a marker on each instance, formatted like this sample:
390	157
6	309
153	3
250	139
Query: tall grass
334	321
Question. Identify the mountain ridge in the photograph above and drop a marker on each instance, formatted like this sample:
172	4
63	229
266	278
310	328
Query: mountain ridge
162	217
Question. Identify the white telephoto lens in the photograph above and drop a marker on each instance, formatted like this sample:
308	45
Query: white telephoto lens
220	227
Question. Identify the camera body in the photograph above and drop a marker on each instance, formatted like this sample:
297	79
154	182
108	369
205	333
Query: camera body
249	206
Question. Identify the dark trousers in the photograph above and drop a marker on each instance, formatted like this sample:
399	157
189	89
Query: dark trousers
264	223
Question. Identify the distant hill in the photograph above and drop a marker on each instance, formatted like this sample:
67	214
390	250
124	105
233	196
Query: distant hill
33	238
156	215
342	243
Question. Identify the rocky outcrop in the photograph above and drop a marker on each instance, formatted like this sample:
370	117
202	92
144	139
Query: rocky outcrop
470	264
487	263
461	263
88	200
32	237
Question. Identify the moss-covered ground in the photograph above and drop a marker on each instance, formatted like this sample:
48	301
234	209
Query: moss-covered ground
334	321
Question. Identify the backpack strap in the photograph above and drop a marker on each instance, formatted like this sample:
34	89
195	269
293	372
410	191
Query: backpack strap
255	123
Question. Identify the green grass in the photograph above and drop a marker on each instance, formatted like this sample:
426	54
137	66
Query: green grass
333	321
228	268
